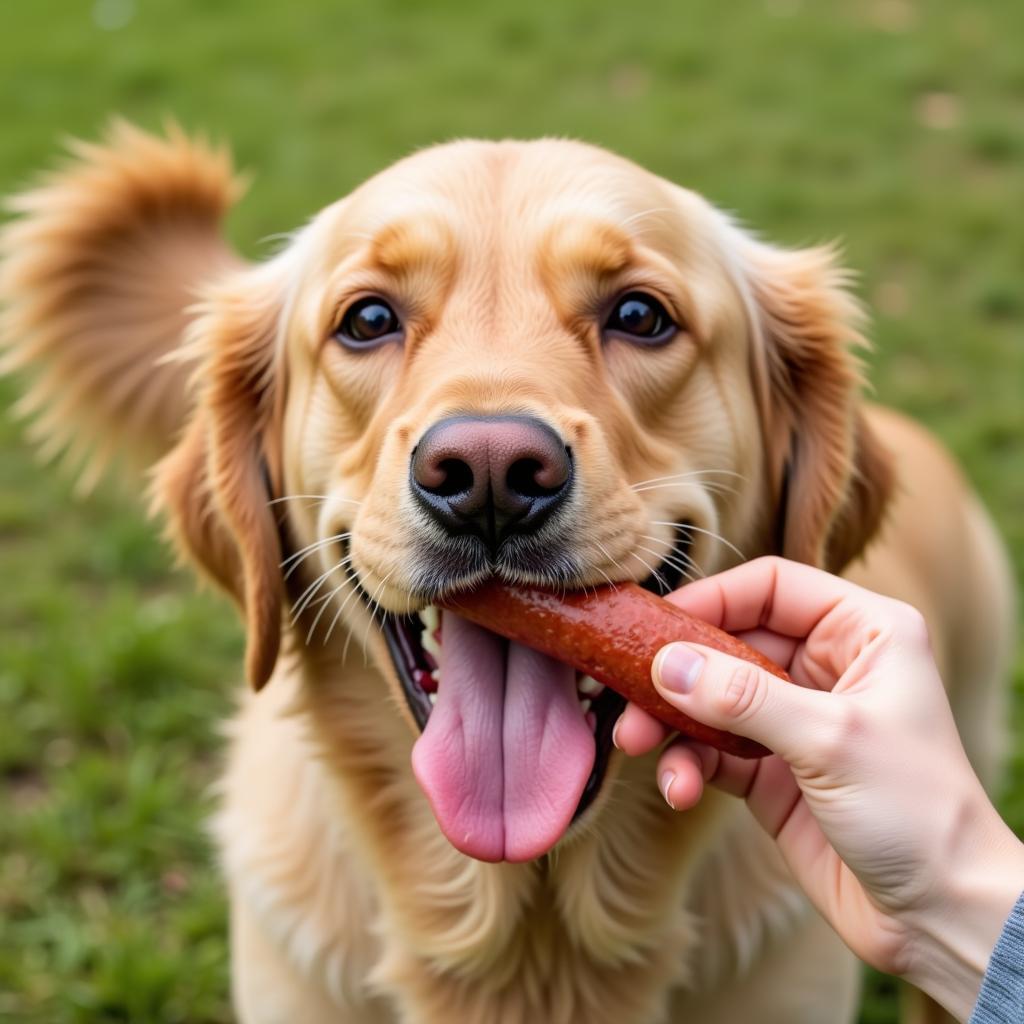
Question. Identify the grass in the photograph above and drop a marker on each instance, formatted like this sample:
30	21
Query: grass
899	128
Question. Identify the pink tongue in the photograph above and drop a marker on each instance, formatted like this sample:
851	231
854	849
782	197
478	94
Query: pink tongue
506	752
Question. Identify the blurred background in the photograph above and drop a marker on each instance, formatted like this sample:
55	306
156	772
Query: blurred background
895	126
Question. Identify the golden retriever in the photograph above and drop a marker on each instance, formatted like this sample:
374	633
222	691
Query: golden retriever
529	359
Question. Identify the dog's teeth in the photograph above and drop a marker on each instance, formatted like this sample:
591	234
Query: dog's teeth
429	615
591	687
585	707
432	697
428	638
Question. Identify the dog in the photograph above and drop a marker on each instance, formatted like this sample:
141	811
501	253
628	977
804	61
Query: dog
531	360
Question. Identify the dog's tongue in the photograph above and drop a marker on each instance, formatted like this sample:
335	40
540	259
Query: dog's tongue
506	751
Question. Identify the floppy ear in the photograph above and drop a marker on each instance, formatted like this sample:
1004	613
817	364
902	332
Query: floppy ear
212	484
830	475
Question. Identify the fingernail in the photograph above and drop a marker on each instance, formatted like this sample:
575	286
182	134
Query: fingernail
615	733
667	778
679	668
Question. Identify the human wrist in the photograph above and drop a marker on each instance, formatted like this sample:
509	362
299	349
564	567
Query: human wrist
955	929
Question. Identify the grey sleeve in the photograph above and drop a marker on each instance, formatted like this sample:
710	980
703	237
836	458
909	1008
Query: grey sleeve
1001	999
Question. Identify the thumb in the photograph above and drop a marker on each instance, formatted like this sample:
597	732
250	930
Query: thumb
734	695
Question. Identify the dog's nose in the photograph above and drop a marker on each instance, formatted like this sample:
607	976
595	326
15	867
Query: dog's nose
491	476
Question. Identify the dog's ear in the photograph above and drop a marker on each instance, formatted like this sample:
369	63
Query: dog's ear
830	475
212	486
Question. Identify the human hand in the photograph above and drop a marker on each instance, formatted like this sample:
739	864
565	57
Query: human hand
869	795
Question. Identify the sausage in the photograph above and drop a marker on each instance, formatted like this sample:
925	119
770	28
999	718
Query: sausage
611	634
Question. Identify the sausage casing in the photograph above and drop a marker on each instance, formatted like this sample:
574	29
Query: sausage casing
611	634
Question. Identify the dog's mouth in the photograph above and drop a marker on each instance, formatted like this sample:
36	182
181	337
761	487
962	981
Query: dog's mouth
514	746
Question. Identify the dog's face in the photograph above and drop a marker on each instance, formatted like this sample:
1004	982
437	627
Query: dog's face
529	360
548	304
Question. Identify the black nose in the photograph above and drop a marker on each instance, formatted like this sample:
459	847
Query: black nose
491	476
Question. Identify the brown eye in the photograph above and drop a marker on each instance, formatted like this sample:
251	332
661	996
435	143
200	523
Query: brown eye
368	322
641	317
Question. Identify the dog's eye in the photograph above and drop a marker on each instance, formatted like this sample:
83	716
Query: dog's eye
367	322
640	316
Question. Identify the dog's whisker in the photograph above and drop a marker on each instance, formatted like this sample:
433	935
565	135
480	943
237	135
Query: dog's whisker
324	602
604	551
374	608
296	497
300	556
303	600
348	635
701	574
670	544
348	640
611	582
704	485
690	561
320	600
669	557
653	572
611	557
690	475
352	578
697	479
708	533
308	594
297	607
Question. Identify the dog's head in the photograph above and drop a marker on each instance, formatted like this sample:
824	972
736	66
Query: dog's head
535	361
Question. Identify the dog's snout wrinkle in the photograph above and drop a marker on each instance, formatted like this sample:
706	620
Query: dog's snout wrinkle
491	476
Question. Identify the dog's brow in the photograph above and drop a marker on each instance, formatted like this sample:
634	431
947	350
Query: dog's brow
410	243
595	247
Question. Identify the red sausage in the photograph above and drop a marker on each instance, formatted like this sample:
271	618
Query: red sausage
611	634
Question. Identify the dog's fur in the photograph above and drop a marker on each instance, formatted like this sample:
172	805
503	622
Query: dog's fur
151	338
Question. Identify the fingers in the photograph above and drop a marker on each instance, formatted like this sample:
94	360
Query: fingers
774	799
773	646
637	733
785	597
740	698
767	784
681	776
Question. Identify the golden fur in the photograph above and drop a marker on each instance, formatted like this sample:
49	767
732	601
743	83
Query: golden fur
150	338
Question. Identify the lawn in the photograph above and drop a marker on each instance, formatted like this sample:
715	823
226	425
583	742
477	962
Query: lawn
896	127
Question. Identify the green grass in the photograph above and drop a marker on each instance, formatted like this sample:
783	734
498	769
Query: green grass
895	125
